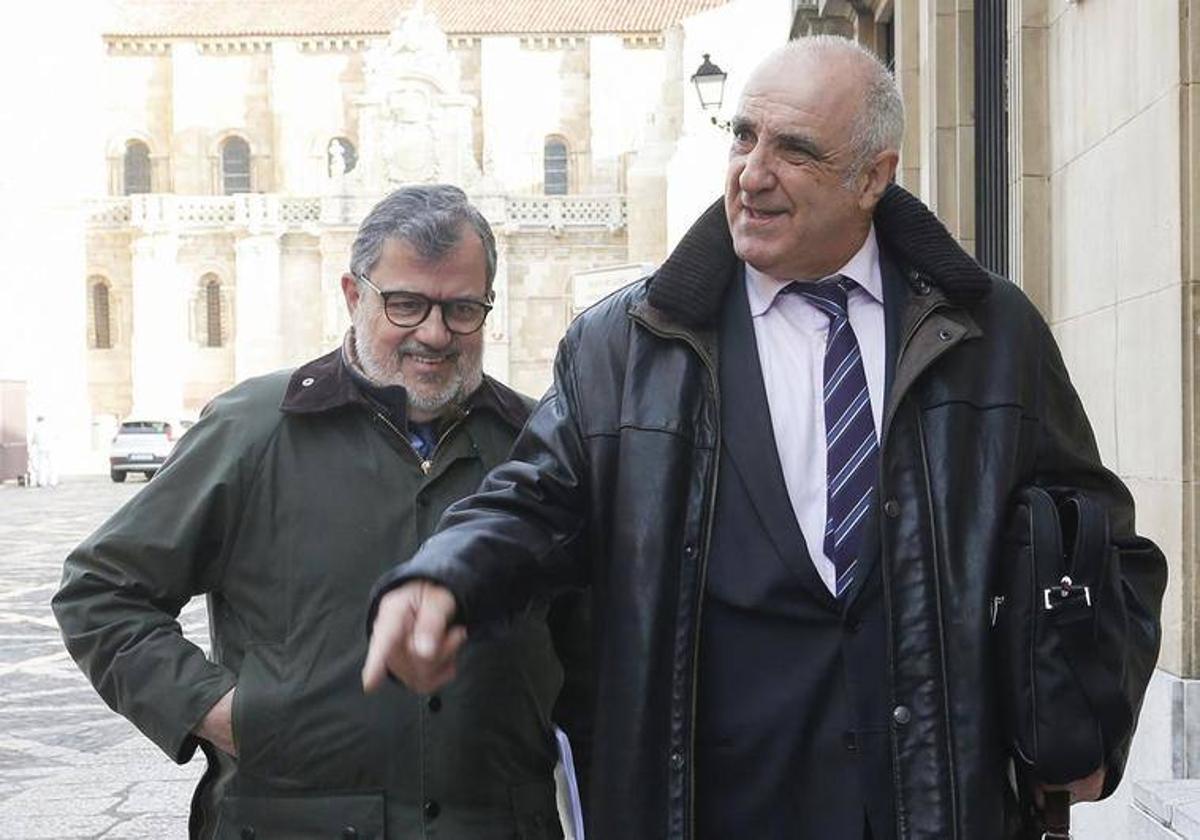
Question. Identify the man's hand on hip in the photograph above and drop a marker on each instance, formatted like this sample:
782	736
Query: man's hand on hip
217	725
412	638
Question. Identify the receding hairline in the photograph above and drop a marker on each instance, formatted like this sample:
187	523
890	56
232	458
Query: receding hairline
854	72
865	63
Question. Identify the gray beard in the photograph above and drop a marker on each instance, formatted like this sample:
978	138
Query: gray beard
385	370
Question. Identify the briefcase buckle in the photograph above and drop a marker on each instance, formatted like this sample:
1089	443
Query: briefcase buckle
1066	594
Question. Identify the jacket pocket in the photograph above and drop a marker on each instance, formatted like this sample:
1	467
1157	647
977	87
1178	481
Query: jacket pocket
253	734
535	809
302	817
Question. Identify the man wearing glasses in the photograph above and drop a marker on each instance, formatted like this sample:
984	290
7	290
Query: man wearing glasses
282	505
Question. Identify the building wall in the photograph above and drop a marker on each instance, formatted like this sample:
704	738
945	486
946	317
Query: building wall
516	124
108	369
540	267
312	102
1115	283
288	97
1116	249
1102	156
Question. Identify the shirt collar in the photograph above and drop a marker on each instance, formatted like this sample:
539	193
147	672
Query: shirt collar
862	268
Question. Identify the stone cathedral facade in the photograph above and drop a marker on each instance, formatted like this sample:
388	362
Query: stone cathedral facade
244	149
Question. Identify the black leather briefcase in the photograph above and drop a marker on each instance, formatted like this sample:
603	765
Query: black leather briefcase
1062	684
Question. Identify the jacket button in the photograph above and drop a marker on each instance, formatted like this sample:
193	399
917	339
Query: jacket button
349	833
850	741
891	508
689	550
435	703
431	809
677	759
945	335
901	715
247	832
854	625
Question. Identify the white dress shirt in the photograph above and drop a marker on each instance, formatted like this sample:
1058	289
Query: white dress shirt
790	333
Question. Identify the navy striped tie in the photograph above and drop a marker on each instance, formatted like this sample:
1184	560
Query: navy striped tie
852	452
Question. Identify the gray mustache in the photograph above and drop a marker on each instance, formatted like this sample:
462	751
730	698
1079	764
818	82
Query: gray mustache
415	348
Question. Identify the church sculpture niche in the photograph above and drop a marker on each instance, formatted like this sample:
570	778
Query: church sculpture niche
415	124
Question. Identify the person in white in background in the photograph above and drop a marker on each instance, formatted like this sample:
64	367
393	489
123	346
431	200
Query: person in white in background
42	467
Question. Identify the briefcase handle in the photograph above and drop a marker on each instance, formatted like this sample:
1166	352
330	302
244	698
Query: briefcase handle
1056	816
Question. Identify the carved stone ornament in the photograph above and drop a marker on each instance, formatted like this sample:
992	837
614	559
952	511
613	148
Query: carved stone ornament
416	47
413	112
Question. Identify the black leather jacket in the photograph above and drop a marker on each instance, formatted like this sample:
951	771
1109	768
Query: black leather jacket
612	486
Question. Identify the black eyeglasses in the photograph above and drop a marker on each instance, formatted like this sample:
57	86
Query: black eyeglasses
462	316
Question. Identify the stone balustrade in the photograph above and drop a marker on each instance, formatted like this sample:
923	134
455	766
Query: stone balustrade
269	212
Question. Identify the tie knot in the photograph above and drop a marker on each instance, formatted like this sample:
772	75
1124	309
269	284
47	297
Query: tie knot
829	295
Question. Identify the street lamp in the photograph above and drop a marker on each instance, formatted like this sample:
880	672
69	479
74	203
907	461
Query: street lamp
709	80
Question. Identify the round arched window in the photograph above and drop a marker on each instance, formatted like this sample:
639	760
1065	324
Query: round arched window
554	164
137	167
235	166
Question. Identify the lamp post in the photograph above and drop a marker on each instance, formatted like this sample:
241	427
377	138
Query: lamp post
709	80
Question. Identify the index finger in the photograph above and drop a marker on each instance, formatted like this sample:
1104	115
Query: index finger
393	623
434	612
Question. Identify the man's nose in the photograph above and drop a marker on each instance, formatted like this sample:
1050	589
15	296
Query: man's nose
432	332
757	174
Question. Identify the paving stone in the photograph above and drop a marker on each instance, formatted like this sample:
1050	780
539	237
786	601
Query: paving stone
70	768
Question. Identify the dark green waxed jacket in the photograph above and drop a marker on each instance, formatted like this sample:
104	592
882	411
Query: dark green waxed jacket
293	493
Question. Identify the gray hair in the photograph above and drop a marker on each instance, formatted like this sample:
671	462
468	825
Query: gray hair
430	218
879	124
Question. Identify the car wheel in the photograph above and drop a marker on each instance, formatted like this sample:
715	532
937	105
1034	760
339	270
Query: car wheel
149	474
117	476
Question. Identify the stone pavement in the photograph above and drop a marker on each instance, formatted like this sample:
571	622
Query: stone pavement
69	767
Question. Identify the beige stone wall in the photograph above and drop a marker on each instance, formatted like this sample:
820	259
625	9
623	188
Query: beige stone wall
468	53
108	370
312	94
1115	274
516	124
540	267
945	120
301	307
139	107
207	370
201	121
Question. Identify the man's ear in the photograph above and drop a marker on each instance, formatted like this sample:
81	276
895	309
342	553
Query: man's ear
875	179
350	292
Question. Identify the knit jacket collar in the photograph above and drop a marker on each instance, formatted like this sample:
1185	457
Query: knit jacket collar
690	286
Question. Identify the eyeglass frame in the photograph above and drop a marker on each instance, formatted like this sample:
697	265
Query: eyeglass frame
429	304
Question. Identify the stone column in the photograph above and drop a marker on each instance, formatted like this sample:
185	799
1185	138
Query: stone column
947	124
907	25
1029	144
258	334
497	341
160	327
335	261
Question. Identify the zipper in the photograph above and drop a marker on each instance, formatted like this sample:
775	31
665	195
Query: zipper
426	464
702	559
937	587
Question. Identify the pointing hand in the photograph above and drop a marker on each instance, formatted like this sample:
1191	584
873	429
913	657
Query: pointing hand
412	638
